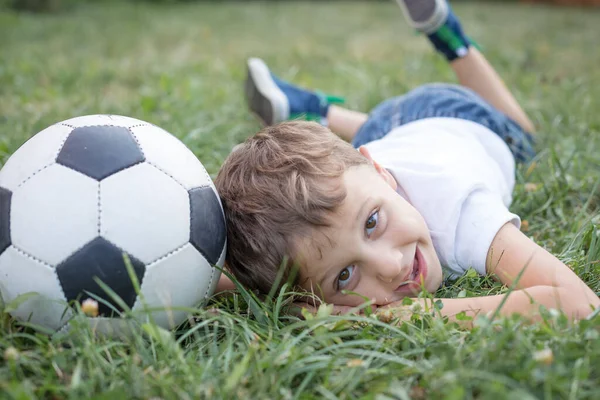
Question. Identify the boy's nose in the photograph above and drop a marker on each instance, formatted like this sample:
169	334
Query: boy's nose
384	279
387	266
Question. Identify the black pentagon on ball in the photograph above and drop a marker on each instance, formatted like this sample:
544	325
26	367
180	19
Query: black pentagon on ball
207	229
99	151
5	197
102	260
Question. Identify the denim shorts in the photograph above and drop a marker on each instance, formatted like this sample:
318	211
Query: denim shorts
445	100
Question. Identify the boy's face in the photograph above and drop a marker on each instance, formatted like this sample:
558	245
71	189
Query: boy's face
378	245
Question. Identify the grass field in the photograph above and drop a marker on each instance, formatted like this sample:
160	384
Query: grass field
181	67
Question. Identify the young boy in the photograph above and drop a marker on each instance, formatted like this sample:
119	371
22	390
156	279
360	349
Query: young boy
429	186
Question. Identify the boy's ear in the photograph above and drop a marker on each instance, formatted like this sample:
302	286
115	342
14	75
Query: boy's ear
384	173
365	152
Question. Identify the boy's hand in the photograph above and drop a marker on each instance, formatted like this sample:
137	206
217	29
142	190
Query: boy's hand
518	261
224	284
537	278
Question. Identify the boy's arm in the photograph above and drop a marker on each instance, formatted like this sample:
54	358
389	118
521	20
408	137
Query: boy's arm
224	283
544	281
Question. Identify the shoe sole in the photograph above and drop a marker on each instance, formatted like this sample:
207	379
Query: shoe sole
264	97
426	16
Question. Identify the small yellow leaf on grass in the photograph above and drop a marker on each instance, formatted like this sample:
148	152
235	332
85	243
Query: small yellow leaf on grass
355	363
531	187
530	168
90	307
544	356
524	225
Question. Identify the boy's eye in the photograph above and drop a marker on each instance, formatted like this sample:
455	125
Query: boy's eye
345	276
371	223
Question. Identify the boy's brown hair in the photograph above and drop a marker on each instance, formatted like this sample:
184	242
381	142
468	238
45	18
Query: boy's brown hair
276	187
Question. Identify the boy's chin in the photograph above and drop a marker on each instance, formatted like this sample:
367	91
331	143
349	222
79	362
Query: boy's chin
435	278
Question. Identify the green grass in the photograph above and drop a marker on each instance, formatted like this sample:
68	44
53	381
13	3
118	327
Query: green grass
181	67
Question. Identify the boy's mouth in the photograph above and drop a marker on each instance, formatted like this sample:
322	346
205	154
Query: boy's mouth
412	283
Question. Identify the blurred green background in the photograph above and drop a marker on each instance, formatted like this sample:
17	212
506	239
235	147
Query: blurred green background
59	5
181	66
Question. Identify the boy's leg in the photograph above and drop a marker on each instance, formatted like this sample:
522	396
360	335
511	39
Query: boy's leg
436	19
274	100
476	73
345	123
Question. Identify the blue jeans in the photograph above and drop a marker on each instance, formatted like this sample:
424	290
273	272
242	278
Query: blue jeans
445	100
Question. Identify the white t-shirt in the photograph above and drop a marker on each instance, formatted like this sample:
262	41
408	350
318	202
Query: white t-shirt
459	175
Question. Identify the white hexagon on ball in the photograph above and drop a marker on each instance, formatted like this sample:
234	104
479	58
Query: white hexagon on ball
54	213
86	194
184	281
144	202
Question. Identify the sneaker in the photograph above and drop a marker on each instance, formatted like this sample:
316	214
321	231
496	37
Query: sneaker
274	100
264	97
435	19
426	16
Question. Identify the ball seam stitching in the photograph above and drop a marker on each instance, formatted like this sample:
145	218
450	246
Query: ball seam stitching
212	276
177	250
34	174
213	269
166	173
137	140
99	209
24	253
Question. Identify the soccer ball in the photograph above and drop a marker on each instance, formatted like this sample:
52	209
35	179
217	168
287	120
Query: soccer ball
83	196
